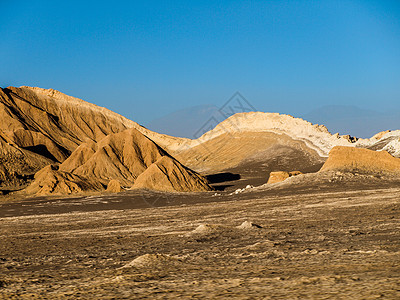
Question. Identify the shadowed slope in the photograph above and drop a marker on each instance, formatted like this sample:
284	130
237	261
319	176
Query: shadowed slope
34	116
17	164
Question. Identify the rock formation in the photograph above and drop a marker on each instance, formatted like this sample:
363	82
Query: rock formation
54	124
316	137
167	174
129	158
250	150
126	158
280	176
42	127
51	181
349	159
121	156
17	165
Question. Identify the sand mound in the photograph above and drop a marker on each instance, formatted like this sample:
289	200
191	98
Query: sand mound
316	137
207	228
248	225
50	180
121	156
132	159
167	174
348	159
249	136
279	176
114	186
150	260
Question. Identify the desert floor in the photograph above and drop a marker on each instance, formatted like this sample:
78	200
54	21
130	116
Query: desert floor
334	242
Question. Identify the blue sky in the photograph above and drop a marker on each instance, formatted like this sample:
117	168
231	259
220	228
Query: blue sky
145	59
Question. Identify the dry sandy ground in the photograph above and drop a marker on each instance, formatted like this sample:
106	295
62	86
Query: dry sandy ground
314	245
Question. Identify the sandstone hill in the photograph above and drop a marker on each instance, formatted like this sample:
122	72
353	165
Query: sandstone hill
250	150
42	127
58	123
127	159
17	165
51	181
167	174
316	137
121	156
51	123
348	159
258	143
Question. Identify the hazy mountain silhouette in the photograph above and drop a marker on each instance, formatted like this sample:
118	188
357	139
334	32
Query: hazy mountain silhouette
185	122
354	120
344	119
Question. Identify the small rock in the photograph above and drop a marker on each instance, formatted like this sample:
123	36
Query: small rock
149	260
248	225
206	228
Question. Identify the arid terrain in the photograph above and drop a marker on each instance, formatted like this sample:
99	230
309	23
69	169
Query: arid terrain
332	242
264	205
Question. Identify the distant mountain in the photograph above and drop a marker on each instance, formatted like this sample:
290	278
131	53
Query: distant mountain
353	120
342	119
186	122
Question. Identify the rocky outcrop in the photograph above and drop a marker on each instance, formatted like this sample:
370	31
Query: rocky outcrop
120	156
50	123
43	126
51	181
349	159
167	174
280	176
17	165
132	159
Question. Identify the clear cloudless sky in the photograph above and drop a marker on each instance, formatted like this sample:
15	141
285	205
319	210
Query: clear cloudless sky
145	59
